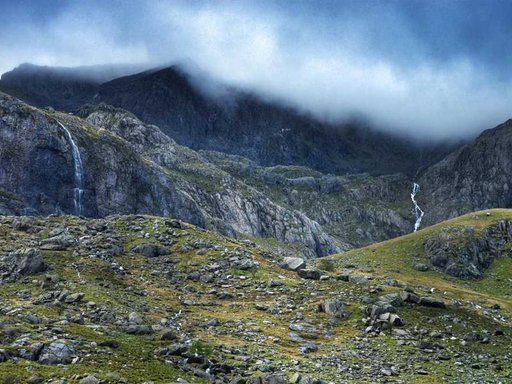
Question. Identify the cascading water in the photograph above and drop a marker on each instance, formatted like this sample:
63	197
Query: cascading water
418	213
78	191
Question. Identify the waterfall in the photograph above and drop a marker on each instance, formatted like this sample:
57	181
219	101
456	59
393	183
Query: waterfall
78	191
418	213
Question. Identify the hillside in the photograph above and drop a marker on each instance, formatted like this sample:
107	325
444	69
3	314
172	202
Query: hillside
139	298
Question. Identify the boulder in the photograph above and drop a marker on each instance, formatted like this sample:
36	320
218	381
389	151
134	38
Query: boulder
409	297
429	302
267	379
26	261
151	250
90	380
293	263
57	352
309	273
58	243
335	308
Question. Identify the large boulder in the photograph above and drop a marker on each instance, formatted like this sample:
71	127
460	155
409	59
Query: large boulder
335	308
309	273
293	263
57	352
59	242
26	261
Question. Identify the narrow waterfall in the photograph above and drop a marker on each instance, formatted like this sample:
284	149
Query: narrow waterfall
418	213
78	191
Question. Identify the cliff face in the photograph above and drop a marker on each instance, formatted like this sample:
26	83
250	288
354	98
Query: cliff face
131	167
472	178
38	169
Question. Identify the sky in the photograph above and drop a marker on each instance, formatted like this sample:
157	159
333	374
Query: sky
431	69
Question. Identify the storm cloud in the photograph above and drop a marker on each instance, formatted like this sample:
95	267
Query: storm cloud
427	69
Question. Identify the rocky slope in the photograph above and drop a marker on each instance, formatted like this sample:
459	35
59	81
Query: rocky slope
144	173
230	121
136	299
253	200
474	177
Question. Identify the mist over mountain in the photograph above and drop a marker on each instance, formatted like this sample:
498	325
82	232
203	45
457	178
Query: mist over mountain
429	72
225	119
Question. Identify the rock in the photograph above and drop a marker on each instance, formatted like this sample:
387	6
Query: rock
90	380
429	302
247	264
174	350
460	253
335	308
173	224
135	318
74	298
310	380
32	353
309	347
168	334
4	355
420	267
261	307
151	250
134	329
26	261
293	263
309	273
109	344
343	277
392	319
58	243
57	352
356	279
393	299
409	297
295	379
34	380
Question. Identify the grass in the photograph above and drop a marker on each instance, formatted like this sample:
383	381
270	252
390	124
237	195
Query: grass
259	335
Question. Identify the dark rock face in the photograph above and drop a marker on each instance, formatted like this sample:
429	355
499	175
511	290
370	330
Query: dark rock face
462	253
37	169
19	263
472	178
61	88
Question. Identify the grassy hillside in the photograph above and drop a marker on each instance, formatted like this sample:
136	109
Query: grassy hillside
397	259
142	299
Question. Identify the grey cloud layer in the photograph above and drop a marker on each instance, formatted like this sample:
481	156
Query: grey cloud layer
390	63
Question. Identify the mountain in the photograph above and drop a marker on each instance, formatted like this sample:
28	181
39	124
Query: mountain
474	177
237	122
143	172
62	88
137	299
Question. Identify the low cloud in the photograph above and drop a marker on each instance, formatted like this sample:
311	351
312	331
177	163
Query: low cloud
332	67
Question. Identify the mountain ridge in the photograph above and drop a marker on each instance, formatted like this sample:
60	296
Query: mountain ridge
246	125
